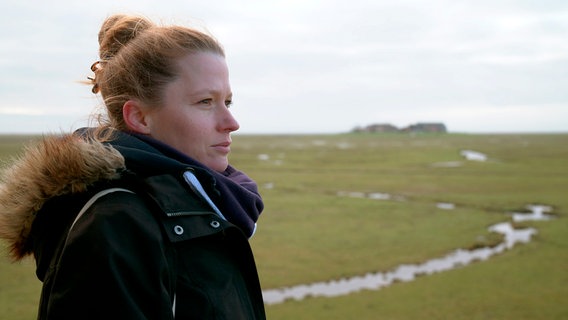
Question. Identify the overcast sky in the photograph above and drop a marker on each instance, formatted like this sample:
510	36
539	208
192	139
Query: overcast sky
314	66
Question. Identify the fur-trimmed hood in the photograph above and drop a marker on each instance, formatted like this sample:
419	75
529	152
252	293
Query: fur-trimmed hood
56	166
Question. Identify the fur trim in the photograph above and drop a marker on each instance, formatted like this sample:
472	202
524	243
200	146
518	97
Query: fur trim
58	165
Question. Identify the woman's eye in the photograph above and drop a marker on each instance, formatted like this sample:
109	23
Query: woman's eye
205	101
228	103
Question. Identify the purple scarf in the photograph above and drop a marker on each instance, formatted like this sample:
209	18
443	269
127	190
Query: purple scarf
238	198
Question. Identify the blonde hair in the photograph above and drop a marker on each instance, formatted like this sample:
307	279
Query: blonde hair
138	58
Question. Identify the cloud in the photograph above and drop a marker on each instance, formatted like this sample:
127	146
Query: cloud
321	66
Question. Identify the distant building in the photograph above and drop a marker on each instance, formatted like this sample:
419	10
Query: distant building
383	127
388	128
426	127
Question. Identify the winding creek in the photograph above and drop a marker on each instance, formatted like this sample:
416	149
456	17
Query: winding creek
409	272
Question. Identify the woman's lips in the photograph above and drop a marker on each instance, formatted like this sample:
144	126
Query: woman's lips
223	147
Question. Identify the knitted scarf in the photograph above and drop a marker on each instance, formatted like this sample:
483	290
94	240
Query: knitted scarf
235	194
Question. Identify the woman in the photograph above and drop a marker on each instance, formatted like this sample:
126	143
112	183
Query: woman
142	217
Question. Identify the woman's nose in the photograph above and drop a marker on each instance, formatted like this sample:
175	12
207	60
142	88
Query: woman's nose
228	122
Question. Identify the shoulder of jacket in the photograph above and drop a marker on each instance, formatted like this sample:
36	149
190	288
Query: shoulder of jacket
181	214
53	167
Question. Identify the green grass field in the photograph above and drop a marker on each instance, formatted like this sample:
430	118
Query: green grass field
311	232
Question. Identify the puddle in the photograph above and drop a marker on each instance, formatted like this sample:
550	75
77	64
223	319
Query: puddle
268	186
473	155
447	164
344	145
537	212
445	206
409	272
319	143
266	157
370	195
469	155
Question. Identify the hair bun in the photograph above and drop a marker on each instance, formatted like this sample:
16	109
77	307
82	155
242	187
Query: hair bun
117	31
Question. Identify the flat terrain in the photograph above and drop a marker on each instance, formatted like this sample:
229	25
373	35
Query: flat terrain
339	206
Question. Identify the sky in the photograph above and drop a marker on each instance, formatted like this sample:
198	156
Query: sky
307	66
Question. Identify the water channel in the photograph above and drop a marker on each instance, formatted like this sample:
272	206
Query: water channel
409	272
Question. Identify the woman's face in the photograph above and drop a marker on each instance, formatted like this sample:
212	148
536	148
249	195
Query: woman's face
195	117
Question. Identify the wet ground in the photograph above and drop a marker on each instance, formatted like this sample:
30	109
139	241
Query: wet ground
409	272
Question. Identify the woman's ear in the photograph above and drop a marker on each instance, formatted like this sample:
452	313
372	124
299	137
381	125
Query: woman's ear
134	115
